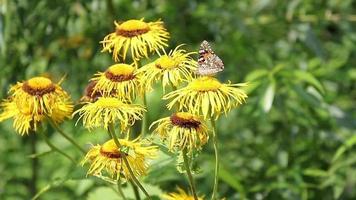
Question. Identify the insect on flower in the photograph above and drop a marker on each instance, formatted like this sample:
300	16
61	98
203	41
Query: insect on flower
208	63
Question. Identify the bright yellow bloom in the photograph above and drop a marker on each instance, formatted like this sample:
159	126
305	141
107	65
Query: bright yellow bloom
207	96
31	101
138	36
107	159
180	195
182	131
39	94
171	69
118	80
107	110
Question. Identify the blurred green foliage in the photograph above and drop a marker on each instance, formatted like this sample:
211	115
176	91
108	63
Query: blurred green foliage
295	137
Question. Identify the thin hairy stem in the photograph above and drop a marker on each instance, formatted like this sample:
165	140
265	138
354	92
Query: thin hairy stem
54	148
135	190
189	174
120	189
66	136
34	165
144	118
216	172
126	162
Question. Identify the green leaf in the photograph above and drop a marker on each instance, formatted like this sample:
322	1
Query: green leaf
268	97
309	78
232	180
347	145
256	74
314	172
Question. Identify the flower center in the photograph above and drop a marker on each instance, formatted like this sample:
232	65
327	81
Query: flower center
110	150
132	28
165	62
185	120
38	86
204	84
108	102
120	73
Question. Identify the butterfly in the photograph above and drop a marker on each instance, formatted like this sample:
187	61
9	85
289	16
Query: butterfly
208	63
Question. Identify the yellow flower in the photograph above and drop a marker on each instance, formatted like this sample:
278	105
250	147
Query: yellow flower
107	159
180	195
171	69
182	131
40	95
31	101
118	80
138	36
207	96
107	110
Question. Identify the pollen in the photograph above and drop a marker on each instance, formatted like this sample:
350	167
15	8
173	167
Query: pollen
132	28
165	62
185	120
120	73
204	84
38	86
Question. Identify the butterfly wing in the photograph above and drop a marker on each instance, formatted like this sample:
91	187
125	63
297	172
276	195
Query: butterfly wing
208	63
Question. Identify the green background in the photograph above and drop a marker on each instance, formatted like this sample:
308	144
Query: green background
294	138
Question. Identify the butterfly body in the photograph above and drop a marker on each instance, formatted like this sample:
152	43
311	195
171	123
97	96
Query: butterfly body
208	62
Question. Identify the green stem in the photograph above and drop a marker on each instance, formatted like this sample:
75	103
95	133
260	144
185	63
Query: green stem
135	190
54	148
120	189
34	165
135	180
144	118
216	172
189	174
60	131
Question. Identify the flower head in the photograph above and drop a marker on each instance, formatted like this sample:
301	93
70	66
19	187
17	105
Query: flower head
39	94
138	36
107	159
171	69
179	195
91	95
107	110
207	96
31	101
118	80
182	131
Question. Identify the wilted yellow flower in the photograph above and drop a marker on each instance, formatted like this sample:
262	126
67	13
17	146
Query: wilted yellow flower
107	159
207	96
89	94
118	80
182	131
138	36
31	101
179	195
171	69
107	110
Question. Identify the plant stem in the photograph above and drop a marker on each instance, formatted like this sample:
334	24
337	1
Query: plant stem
132	175
216	172
54	148
144	118
135	190
66	136
120	189
189	174
34	165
